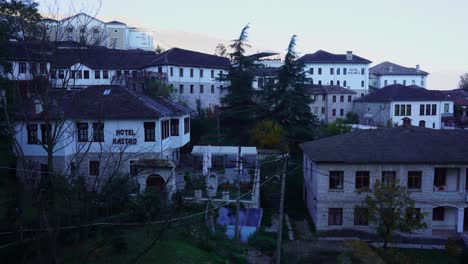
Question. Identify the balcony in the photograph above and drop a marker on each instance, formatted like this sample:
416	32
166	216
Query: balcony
446	180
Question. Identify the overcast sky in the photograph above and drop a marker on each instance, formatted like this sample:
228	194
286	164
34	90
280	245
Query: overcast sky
432	33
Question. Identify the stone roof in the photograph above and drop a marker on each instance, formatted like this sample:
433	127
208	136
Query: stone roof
396	145
322	56
399	92
327	89
389	68
115	22
189	58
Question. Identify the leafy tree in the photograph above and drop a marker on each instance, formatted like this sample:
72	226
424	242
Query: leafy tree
155	88
268	134
21	18
221	50
285	100
340	126
463	82
391	209
351	118
159	49
239	106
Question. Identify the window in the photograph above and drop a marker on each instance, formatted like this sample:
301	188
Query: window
43	68
201	73
422	123
397	110
61	74
201	88
186	125
385	83
408	109
388	177
98	132
320	71
439	178
171	71
191	73
118	73
160	70
324	97
320	82
361	216
414	179
220	74
45	132
413	82
93	168
349	98
438	214
97	74
344	83
421	109
428	109
22	67
402	110
446	108
133	168
334	98
404	82
32	134
315	110
335	216
191	88
323	110
174	127
212	73
333	112
422	83
341	98
78	75
336	180
434	109
105	74
341	112
181	88
362	179
338	83
181	72
394	82
212	89
150	131
362	83
86	74
332	71
362	71
338	71
344	71
32	68
331	82
82	132
311	71
165	133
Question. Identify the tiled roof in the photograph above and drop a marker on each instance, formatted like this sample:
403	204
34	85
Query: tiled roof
327	89
27	51
102	102
116	22
322	56
394	145
460	96
388	68
189	58
399	92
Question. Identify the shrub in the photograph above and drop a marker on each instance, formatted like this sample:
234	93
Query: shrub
263	241
451	247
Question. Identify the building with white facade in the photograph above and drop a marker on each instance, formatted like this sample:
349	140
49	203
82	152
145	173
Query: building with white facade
387	106
102	131
431	164
89	30
388	73
330	101
346	70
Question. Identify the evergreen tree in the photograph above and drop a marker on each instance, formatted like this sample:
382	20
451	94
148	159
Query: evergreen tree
286	100
239	108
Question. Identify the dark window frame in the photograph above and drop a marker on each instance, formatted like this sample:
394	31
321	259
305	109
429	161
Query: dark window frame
150	131
98	132
336	180
174	127
362	180
82	128
414	181
335	216
94	168
33	138
186	125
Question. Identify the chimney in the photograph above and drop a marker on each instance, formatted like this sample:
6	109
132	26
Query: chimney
37	106
406	122
349	55
417	68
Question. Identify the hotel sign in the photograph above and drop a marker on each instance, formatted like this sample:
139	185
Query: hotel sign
124	137
353	71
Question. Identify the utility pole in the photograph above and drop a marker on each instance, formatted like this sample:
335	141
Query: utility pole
239	171
281	209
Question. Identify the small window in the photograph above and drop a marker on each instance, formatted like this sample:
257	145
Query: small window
97	74
43	68
334	98
344	83
46	130
32	134
333	112
212	74
338	83
438	214
191	88
201	88
324	97
323	110
341	112
422	123
82	131
408	109
362	83
320	71
93	168
446	108
388	177
341	98
434	109
332	71
404	82
338	71
165	132
344	71
320	82
105	74
61	74
414	179
335	216
362	71
362	179
311	71
186	125
181	88
428	109
181	72
150	131
361	216
331	82
86	74
397	110
174	127
336	180
98	132
440	177
385	83
212	89
171	71
349	98
201	73
421	109
191	73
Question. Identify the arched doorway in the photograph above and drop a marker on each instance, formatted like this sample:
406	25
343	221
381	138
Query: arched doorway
155	181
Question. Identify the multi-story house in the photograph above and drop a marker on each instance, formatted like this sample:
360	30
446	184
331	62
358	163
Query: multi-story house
388	105
100	131
387	73
346	70
460	117
89	30
431	164
194	76
330	101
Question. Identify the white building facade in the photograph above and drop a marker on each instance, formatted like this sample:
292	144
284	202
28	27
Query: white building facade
387	73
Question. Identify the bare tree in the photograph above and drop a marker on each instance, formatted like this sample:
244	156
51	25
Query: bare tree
463	84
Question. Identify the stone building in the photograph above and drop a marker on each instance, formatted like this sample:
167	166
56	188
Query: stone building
330	101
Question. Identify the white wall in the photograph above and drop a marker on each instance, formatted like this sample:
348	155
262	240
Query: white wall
432	121
140	39
16	75
419	80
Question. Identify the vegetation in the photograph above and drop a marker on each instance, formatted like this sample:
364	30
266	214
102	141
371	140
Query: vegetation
463	84
269	134
391	209
156	88
221	50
